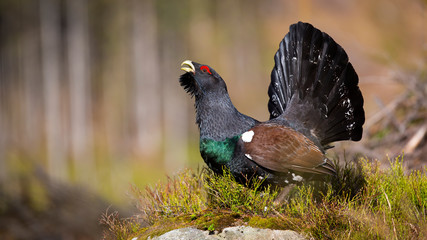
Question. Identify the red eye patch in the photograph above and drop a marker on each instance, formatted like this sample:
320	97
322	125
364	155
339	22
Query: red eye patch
205	69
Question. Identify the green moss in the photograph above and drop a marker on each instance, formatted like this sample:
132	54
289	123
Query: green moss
265	222
217	221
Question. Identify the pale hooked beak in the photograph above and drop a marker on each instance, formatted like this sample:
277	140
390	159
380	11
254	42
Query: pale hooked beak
188	66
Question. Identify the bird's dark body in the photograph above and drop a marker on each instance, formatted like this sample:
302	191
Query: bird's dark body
314	101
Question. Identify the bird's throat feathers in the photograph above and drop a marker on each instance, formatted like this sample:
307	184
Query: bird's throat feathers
218	119
213	115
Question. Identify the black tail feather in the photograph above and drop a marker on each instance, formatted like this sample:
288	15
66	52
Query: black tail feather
314	85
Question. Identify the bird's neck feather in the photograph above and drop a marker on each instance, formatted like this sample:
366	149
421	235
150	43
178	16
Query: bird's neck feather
218	119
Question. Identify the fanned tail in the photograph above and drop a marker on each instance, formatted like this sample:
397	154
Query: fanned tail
315	88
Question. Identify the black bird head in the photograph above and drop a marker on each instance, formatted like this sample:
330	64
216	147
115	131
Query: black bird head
201	80
216	115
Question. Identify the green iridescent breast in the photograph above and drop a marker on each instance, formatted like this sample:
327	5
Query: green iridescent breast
220	152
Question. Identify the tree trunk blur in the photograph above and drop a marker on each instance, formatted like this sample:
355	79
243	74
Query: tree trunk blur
175	115
146	79
80	90
3	128
51	73
32	88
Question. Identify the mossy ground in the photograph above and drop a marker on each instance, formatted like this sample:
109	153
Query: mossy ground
361	202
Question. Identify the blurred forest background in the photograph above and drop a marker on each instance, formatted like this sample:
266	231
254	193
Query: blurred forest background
90	101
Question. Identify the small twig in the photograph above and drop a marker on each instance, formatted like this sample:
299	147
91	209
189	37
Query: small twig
415	140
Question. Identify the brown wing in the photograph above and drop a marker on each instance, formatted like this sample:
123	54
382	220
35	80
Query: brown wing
281	148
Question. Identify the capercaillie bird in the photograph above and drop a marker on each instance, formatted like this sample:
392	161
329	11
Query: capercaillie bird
314	101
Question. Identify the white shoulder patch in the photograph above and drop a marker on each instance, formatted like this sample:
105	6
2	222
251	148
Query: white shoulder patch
247	136
248	156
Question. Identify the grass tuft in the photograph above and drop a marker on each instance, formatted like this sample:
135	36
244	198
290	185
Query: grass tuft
180	195
224	193
362	202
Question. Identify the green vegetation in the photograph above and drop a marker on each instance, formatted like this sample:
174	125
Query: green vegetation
362	202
